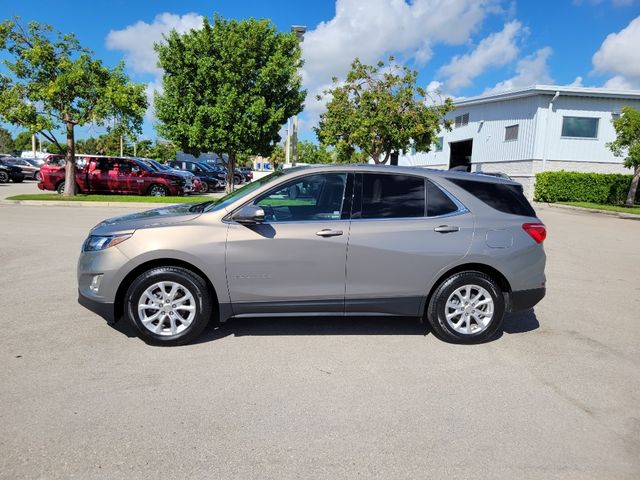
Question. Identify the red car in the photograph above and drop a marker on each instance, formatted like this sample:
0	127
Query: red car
97	174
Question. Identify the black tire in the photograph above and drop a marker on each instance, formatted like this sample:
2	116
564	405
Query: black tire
4	177
37	177
18	179
190	281
60	188
204	187
157	190
237	180
436	311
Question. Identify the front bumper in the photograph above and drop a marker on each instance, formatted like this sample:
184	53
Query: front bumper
525	299
105	310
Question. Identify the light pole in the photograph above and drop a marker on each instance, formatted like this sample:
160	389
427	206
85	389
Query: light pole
299	30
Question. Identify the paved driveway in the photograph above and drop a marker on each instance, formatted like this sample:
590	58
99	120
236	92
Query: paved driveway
556	396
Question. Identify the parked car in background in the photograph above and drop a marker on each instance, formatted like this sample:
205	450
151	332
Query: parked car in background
238	177
455	249
29	171
210	178
36	162
247	172
10	172
101	174
192	183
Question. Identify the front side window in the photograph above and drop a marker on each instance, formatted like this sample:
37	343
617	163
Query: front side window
313	197
580	127
391	196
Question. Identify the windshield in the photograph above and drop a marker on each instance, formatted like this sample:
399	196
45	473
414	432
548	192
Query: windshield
241	192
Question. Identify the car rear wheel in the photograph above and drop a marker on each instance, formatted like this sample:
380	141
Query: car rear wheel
237	180
169	306
37	176
158	191
4	177
204	187
467	307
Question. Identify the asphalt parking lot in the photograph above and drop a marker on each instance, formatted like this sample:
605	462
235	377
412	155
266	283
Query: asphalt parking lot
556	395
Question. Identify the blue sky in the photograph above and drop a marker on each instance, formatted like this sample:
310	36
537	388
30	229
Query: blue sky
459	47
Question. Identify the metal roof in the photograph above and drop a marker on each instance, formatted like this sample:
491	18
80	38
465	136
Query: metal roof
549	90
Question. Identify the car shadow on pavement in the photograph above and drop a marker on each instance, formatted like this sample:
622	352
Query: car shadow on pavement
521	322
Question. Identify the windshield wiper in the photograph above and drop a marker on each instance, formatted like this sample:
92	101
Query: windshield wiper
199	207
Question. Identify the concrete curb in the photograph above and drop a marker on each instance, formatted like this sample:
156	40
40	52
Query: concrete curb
592	211
62	203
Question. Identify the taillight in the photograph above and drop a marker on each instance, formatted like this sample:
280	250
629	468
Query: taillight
537	231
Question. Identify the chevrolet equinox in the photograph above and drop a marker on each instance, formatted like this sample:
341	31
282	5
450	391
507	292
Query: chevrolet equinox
456	249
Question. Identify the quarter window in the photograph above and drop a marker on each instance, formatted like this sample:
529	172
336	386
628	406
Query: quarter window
580	127
392	196
438	203
511	132
314	197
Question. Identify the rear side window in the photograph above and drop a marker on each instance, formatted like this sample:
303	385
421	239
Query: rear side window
503	197
438	203
392	196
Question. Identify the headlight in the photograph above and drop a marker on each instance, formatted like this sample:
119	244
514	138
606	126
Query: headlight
100	242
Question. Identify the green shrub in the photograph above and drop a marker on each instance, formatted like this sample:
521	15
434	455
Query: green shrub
582	187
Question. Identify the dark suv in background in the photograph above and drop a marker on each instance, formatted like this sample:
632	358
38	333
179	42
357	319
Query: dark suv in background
210	178
10	172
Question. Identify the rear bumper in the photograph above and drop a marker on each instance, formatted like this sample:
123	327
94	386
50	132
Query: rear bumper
105	310
525	299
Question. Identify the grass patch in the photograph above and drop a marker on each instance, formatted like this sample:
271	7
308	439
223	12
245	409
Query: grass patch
598	206
55	197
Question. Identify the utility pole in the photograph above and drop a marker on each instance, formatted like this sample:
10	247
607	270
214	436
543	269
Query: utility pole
287	143
33	145
121	147
135	147
299	30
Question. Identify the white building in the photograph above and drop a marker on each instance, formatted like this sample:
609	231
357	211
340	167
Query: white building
530	130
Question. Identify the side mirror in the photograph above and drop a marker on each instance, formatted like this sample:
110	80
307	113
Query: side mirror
249	215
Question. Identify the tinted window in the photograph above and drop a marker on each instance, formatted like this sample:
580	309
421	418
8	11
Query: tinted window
314	197
438	203
511	133
502	197
392	196
583	127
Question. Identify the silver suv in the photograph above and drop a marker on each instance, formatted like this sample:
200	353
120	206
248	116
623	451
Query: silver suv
458	249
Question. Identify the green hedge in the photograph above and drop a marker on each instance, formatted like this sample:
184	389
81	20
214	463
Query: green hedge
582	187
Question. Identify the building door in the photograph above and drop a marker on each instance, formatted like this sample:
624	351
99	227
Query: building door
460	157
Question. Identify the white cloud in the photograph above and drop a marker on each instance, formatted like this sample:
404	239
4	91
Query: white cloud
495	50
576	83
375	29
619	54
531	70
137	40
615	3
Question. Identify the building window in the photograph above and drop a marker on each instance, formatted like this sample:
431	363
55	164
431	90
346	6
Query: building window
438	144
462	120
511	132
615	115
580	127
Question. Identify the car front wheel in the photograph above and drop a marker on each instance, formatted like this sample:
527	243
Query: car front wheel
4	177
204	187
158	191
467	307
169	306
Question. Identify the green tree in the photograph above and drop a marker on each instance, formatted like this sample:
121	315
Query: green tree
379	110
22	141
277	157
55	83
309	152
7	144
228	87
627	145
163	151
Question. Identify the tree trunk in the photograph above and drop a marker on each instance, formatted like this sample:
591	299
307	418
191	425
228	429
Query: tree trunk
70	163
231	167
631	197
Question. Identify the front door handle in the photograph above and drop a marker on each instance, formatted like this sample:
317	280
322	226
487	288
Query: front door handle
327	232
446	229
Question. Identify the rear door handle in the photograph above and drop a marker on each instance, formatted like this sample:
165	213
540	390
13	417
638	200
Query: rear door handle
327	232
446	229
